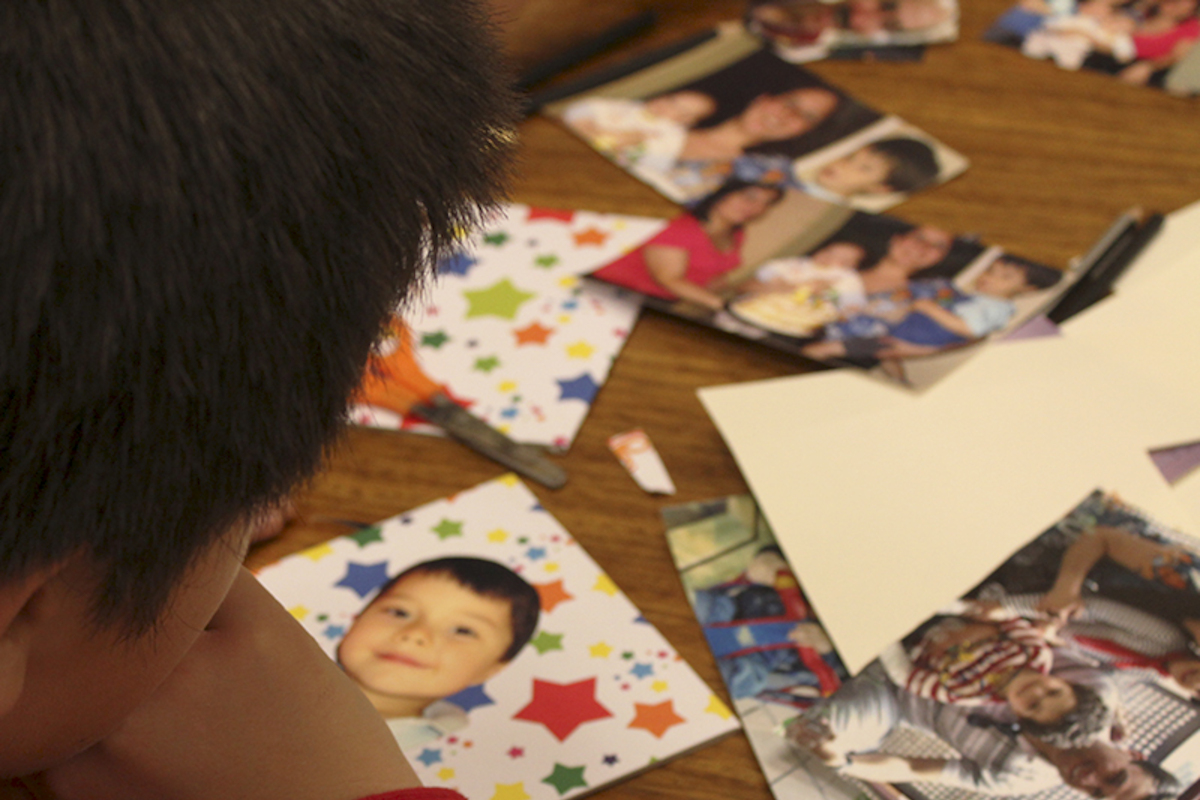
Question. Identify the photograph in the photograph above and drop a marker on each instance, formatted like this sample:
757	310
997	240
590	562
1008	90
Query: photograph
1072	666
772	651
502	657
853	289
809	30
1140	42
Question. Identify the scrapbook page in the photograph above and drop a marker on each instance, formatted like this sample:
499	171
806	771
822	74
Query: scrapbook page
506	662
731	110
1071	666
834	285
807	30
511	331
770	647
1143	43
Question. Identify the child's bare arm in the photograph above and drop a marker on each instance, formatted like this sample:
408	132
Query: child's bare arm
255	710
944	317
1133	552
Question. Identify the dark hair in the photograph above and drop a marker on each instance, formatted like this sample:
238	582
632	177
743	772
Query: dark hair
1166	785
208	212
702	209
913	164
1081	725
490	579
1037	276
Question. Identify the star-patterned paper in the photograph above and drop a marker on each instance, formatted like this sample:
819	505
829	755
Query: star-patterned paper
512	330
596	695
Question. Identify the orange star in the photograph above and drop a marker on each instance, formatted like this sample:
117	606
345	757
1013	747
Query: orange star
551	594
593	236
656	718
550	213
534	333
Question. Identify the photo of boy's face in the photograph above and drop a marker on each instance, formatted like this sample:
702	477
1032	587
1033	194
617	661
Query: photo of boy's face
425	638
864	170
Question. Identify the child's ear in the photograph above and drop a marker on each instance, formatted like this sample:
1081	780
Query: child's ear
19	598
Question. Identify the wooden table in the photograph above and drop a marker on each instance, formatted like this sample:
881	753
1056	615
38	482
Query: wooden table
1055	156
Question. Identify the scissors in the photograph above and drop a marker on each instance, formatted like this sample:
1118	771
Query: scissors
395	381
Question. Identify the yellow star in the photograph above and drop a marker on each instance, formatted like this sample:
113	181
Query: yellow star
445	773
507	386
659	686
605	584
509	479
600	650
563	319
511	791
715	706
317	552
580	350
568	281
299	612
551	566
498	536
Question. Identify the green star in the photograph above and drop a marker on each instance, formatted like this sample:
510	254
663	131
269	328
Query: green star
546	642
496	238
547	261
565	778
486	364
367	535
435	339
627	655
447	528
501	299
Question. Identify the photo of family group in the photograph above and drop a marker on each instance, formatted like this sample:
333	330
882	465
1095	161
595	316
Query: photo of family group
1070	671
770	648
731	110
1141	42
842	287
808	30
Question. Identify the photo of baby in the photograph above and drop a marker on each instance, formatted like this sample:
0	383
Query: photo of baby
436	629
496	649
1141	42
808	30
1070	666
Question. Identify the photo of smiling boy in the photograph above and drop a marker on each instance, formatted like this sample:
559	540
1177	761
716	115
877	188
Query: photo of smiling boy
437	628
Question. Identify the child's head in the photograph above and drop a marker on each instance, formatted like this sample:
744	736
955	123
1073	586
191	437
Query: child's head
686	107
889	165
435	629
183	253
1008	277
1058	712
847	255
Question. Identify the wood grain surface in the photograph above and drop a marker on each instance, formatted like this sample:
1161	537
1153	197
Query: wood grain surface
1055	156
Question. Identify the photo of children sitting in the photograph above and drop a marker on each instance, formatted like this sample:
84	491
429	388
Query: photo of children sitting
435	629
1026	685
807	30
1142	42
932	314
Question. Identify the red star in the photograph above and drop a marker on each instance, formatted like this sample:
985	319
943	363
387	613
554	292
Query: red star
550	213
593	236
552	594
516	752
563	707
656	718
534	333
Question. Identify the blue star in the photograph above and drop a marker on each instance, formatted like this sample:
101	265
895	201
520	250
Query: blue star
470	698
429	756
534	553
509	413
334	631
458	264
581	388
364	578
536	507
641	670
570	305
